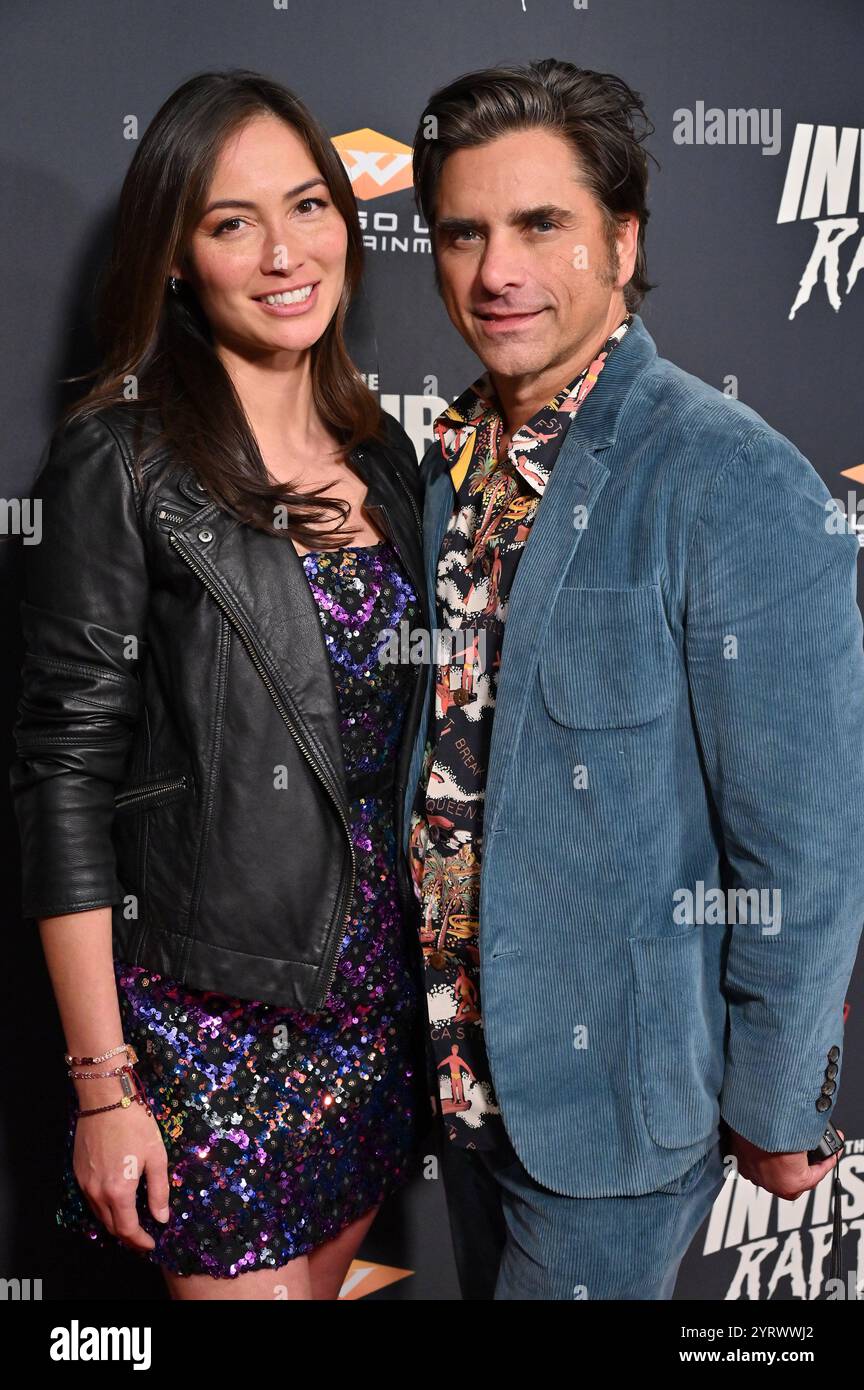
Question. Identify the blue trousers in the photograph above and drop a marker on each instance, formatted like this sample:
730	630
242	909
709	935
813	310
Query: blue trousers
515	1239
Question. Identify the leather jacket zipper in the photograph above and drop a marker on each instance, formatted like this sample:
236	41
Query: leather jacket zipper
406	892
408	494
410	497
154	789
165	515
238	624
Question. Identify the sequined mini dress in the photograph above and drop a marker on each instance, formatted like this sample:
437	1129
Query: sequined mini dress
282	1127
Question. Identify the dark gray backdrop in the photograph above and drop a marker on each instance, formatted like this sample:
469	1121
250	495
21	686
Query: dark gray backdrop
728	275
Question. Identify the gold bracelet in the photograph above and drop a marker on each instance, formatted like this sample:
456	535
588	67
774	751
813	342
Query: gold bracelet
91	1075
87	1061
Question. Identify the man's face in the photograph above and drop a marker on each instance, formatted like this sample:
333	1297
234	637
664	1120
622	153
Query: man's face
526	271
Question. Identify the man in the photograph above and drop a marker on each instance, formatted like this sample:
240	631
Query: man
649	971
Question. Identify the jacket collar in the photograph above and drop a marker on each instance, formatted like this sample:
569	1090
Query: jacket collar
262	586
364	459
471	422
595	424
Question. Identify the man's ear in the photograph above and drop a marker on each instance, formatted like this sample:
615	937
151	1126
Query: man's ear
630	225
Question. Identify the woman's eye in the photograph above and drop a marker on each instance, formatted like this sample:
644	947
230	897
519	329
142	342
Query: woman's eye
217	231
235	222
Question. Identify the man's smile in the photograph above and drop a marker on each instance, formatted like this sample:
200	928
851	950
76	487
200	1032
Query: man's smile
495	322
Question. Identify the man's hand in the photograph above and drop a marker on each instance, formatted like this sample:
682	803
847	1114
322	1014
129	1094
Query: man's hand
787	1175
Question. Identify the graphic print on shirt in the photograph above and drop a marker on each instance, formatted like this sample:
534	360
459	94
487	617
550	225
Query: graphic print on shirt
496	501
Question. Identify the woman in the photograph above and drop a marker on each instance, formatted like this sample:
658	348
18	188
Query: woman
204	712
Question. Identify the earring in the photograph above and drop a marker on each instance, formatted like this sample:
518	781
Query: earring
174	284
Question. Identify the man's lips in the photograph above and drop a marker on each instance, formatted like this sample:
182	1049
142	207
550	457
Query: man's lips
494	321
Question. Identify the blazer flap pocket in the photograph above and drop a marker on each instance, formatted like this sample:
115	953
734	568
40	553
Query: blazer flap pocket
680	1063
609	660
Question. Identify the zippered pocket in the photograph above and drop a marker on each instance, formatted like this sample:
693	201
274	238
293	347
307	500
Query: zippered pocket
155	791
166	515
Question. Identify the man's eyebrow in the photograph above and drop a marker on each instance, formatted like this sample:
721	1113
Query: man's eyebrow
520	217
240	203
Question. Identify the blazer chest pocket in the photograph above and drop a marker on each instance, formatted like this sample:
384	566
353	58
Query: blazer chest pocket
609	659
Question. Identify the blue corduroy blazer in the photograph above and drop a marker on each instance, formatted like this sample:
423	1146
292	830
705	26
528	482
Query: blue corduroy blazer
680	710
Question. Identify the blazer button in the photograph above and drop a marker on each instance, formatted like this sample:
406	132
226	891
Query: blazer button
831	1070
823	1103
828	1088
205	535
833	1053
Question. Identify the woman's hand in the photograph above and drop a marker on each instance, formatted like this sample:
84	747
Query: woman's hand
112	1150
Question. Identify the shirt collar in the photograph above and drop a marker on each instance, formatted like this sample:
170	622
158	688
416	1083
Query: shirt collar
532	450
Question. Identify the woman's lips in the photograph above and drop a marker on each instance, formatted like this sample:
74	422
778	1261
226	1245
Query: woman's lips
288	311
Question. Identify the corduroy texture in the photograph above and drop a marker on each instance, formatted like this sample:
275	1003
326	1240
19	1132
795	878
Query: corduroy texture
680	703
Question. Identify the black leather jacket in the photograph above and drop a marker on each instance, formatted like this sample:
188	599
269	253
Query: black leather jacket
174	663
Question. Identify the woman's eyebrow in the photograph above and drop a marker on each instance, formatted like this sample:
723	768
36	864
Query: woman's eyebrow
242	203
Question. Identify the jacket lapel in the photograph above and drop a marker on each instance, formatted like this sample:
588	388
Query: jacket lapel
262	579
576	481
264	582
574	485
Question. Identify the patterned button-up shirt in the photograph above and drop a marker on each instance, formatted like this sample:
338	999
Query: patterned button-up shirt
496	501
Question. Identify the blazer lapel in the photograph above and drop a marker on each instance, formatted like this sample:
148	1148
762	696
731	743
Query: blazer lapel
576	481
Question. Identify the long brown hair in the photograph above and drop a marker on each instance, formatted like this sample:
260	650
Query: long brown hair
162	342
602	118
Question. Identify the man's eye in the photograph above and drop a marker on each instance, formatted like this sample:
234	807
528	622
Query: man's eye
543	222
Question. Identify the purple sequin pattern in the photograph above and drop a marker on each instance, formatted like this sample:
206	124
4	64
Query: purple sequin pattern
283	1127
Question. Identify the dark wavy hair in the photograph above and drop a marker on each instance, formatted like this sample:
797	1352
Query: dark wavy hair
603	119
163	340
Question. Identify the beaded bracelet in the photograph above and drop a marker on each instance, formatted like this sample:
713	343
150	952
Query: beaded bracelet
130	1092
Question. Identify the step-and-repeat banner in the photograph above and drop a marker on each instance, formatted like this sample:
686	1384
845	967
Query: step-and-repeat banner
756	247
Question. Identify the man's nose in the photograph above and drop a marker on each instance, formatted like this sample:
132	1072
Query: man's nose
501	265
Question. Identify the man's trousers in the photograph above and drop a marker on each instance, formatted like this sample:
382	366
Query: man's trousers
513	1238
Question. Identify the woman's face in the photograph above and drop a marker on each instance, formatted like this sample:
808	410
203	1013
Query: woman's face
270	228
